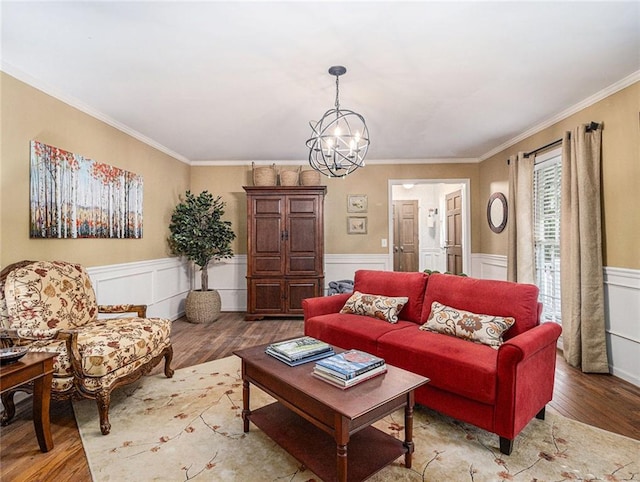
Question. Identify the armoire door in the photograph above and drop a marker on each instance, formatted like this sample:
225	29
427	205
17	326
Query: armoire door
302	236
268	236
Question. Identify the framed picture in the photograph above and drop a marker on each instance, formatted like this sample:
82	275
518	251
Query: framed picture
357	225
357	203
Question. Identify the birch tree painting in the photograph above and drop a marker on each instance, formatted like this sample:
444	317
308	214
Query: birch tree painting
74	197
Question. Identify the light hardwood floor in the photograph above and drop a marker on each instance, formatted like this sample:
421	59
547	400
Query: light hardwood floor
600	400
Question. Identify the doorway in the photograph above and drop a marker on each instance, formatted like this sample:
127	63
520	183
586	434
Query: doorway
428	237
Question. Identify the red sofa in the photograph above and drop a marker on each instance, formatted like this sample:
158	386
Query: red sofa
499	390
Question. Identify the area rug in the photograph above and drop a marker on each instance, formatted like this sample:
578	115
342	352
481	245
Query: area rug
190	428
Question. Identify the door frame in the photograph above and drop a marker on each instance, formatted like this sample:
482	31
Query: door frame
466	215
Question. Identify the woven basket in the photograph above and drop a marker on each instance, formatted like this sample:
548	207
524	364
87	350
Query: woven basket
310	177
264	176
202	306
289	177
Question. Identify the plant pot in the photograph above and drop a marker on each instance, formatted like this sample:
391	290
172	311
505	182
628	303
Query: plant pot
202	306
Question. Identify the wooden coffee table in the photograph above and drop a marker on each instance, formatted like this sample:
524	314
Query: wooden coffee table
328	429
36	368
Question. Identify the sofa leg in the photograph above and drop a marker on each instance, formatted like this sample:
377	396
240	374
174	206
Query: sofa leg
540	414
9	407
168	356
103	400
506	446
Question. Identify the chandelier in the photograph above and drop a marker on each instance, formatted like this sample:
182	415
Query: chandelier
339	140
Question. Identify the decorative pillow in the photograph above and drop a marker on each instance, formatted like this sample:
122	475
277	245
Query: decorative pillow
376	306
484	329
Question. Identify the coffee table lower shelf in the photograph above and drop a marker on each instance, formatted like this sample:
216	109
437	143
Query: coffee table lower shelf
369	450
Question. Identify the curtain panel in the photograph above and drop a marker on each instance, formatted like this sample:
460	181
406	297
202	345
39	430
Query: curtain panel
581	276
520	247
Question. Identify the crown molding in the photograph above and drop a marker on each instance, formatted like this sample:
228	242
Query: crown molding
81	106
373	162
597	97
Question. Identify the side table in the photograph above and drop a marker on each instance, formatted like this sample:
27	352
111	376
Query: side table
36	367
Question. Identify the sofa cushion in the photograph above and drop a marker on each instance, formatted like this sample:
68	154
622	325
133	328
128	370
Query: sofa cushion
485	329
108	346
500	298
351	331
385	308
452	364
391	283
50	295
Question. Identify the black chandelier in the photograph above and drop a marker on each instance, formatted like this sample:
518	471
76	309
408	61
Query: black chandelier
339	140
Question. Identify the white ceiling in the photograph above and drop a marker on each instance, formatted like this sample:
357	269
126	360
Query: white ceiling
224	81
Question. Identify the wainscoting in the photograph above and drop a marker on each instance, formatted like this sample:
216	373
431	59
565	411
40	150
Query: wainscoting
622	311
163	285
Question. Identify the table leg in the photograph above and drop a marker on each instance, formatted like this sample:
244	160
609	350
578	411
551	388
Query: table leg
408	429
246	412
342	439
41	402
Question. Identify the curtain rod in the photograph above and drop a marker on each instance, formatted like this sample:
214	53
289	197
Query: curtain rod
592	126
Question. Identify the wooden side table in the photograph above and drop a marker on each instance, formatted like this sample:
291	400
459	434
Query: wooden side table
36	367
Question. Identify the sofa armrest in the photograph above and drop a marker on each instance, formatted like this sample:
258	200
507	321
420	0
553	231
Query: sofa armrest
323	305
141	310
527	344
526	373
70	337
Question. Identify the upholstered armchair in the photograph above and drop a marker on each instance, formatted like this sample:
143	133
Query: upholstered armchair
52	307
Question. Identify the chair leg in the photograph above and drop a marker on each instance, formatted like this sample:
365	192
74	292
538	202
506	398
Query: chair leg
9	407
103	399
506	446
540	414
168	356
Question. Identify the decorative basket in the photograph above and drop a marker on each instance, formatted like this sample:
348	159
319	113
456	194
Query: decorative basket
203	306
264	176
289	177
310	177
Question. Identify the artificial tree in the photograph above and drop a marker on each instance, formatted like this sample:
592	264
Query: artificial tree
199	233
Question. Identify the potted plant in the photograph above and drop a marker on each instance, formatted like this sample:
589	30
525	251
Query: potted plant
199	233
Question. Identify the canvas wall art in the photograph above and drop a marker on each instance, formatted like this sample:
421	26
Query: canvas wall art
75	197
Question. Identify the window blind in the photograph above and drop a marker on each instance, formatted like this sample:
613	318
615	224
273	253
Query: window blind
546	190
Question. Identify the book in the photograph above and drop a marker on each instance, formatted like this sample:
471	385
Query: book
350	364
298	348
299	361
341	383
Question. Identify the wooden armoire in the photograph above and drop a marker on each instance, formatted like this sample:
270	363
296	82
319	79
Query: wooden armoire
285	249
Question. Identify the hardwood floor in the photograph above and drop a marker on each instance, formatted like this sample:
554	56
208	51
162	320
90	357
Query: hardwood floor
603	401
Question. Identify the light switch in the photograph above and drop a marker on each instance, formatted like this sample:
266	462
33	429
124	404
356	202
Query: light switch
383	242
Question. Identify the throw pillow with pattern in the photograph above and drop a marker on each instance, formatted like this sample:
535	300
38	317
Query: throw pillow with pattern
484	329
384	308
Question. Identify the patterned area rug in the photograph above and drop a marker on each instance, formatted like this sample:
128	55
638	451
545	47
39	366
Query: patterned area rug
190	428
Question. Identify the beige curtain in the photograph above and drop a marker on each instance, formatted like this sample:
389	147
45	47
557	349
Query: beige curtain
583	324
520	249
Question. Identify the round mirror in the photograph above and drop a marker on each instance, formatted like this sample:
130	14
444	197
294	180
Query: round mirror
497	212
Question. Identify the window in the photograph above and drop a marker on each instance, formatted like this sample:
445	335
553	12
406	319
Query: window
546	194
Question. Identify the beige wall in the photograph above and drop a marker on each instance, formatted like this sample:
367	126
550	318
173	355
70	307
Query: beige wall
372	181
620	175
27	114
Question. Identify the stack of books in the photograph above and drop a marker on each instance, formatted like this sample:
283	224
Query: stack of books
349	368
299	350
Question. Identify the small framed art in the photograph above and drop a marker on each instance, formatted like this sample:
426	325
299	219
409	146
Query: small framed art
357	225
357	203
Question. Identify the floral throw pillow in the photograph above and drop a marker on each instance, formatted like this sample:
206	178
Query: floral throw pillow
376	306
485	329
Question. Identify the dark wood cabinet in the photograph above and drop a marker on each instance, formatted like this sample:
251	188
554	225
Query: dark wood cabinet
285	248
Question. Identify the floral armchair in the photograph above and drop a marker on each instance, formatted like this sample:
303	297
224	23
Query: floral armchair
51	307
